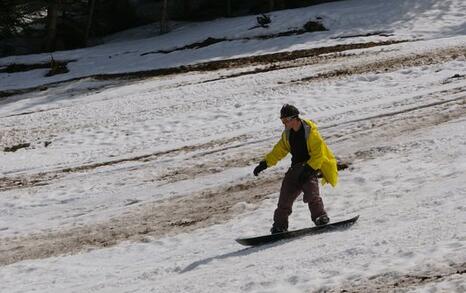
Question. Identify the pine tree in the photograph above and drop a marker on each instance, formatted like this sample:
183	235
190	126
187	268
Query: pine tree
11	18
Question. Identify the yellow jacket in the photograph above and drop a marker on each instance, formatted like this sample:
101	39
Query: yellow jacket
321	159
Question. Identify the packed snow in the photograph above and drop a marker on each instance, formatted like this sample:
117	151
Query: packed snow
143	185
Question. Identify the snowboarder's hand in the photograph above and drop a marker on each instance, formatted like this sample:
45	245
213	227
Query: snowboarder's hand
306	173
261	167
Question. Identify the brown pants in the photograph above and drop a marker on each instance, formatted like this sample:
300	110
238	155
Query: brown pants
290	190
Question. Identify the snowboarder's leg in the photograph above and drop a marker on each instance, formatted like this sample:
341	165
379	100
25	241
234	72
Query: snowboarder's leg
288	193
312	198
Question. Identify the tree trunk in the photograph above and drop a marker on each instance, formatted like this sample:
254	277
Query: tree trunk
228	8
91	4
187	9
52	18
164	18
271	5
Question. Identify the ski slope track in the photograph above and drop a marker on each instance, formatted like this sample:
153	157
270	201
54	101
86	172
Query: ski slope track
138	181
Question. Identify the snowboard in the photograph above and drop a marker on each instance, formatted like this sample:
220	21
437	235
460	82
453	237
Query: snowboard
336	226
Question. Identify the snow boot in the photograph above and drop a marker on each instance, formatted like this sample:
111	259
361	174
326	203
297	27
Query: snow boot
276	230
322	220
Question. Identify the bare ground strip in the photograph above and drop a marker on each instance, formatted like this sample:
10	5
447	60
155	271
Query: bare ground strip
213	65
158	219
395	282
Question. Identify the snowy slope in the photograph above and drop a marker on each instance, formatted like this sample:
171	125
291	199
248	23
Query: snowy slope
143	185
418	19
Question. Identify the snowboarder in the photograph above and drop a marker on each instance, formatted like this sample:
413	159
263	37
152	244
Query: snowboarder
309	155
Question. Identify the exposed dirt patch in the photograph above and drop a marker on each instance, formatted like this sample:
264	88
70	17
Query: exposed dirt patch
197	45
16	147
384	66
377	33
19	67
170	176
216	65
157	219
212	167
41	179
310	26
302	59
44	178
250	60
319	59
394	282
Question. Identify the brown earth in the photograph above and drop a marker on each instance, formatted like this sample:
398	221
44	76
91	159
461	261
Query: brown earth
214	65
395	282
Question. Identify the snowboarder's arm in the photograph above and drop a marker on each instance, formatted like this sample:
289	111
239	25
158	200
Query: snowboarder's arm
279	151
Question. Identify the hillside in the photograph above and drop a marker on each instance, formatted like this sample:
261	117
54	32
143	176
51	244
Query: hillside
132	172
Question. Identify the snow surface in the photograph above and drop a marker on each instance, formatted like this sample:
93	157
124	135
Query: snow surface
416	19
164	139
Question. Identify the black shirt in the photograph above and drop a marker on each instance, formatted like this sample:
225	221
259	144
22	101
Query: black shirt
299	152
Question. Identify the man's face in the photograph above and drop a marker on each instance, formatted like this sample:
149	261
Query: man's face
289	122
